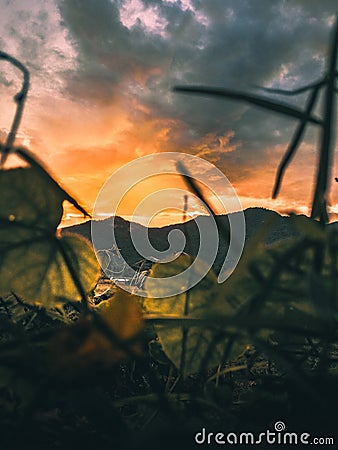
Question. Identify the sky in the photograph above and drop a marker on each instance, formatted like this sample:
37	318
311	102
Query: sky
102	73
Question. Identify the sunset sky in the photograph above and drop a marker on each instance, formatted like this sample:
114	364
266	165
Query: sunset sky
102	73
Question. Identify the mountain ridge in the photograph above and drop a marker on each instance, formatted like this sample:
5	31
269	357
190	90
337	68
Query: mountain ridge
158	236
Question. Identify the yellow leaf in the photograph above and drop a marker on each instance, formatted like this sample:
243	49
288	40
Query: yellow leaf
41	269
191	347
84	347
35	264
123	314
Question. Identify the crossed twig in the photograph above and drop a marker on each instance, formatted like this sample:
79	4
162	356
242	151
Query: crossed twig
327	83
27	156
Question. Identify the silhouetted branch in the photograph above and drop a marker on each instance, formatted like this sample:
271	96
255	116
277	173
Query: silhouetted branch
19	99
223	228
328	81
256	100
33	161
316	84
295	142
319	203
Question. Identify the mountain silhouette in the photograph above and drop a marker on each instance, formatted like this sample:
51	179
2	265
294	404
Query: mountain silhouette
282	228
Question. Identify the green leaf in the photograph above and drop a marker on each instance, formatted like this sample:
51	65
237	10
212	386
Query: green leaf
36	269
29	199
38	166
288	282
86	346
38	266
195	346
309	228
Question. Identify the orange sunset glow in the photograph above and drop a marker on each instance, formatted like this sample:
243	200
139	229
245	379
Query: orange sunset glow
101	95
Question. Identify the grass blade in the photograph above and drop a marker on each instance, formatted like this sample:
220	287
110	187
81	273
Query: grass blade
223	228
19	99
319	204
33	161
295	142
256	100
316	84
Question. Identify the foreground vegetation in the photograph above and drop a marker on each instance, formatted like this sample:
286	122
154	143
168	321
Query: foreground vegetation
143	373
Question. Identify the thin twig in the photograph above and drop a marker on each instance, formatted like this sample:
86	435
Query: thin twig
260	101
37	164
185	331
319	203
295	141
328	81
314	85
19	99
74	275
223	228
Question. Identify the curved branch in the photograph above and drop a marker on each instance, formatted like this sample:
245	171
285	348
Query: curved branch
33	161
328	137
295	142
256	100
315	85
20	99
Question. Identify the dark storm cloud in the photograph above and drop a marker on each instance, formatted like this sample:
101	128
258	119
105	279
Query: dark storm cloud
230	43
109	53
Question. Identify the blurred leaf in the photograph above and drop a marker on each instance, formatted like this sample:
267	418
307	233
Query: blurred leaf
36	268
269	295
123	314
308	227
38	166
201	345
281	282
85	347
28	199
246	280
39	267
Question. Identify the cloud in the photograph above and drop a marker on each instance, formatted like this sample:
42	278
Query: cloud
111	57
103	72
245	43
31	32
